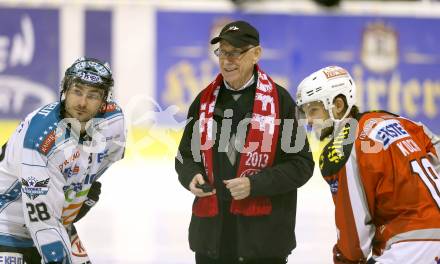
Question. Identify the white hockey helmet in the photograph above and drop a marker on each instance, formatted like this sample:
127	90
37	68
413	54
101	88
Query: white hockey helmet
324	85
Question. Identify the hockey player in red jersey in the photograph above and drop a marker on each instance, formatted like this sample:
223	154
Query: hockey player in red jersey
383	172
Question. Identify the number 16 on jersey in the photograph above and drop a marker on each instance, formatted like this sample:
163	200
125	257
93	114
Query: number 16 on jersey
429	176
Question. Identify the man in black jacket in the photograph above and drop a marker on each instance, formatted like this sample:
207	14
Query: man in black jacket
236	157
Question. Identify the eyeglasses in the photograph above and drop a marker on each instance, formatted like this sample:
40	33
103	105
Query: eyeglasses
231	54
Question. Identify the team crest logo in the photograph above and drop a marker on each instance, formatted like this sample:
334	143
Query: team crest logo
379	51
33	188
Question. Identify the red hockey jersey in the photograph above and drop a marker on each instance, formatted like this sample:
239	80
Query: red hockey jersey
384	184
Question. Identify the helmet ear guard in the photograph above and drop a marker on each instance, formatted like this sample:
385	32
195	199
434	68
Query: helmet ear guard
325	85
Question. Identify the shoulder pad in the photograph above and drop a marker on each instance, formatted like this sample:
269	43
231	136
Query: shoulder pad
40	134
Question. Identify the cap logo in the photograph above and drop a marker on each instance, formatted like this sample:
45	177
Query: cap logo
234	28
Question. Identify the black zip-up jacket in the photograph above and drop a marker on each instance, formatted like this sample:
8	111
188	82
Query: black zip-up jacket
257	236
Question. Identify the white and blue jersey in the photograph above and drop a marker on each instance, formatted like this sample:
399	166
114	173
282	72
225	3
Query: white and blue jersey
46	170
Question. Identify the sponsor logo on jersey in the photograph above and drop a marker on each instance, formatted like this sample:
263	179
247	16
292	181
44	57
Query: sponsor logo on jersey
33	188
69	160
78	249
110	107
69	172
11	257
367	128
72	191
48	142
388	132
74	186
102	155
89	179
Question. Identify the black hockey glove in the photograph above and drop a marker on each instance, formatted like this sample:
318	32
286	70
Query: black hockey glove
92	199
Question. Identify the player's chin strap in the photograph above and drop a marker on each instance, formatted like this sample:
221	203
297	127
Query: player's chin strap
337	122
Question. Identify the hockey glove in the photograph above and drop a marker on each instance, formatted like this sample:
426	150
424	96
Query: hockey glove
92	199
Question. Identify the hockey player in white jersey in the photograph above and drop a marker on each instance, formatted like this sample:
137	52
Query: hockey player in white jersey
49	167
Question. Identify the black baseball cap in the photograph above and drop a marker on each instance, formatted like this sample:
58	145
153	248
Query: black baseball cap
238	34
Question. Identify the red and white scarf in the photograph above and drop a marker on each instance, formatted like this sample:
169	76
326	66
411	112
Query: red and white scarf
258	152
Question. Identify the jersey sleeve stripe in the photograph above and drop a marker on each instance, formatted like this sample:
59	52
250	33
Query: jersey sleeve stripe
361	214
73	206
415	235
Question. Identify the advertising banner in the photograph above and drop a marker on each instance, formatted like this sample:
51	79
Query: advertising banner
98	34
29	60
394	61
